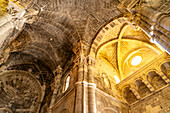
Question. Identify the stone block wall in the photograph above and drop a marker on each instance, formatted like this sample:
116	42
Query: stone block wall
65	104
106	103
156	103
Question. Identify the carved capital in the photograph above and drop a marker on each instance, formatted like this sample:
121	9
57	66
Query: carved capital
91	60
80	48
59	69
133	87
80	60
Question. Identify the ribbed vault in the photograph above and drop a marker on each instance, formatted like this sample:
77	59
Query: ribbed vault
119	44
59	25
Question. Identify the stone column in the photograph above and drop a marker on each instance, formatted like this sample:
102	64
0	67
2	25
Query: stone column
162	30
133	89
85	88
146	82
156	37
155	24
164	77
55	87
165	67
162	20
162	43
91	85
156	16
79	87
162	36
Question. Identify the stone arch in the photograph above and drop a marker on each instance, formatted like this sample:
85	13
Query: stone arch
165	67
136	79
142	89
98	46
129	95
65	30
97	38
64	111
21	83
41	54
5	110
155	80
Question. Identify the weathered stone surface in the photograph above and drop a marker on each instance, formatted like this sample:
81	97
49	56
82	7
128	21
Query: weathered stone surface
94	43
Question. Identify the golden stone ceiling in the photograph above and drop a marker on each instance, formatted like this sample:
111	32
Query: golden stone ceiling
119	45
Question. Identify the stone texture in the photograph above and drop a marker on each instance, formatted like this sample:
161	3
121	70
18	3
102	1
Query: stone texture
92	41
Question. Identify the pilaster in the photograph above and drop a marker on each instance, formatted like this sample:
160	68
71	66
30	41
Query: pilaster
146	82
85	87
80	86
147	18
91	86
133	89
55	86
164	77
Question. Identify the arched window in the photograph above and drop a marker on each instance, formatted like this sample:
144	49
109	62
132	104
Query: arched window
143	90
66	84
156	80
129	95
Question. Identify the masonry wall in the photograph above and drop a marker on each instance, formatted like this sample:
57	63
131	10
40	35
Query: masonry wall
155	103
65	104
108	104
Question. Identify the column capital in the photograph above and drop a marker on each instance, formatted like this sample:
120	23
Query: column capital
148	84
145	80
80	60
133	87
135	92
57	71
80	49
91	60
153	38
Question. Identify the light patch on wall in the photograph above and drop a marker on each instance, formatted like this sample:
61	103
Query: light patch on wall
136	60
117	79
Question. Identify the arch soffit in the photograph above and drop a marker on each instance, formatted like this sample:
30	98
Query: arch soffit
134	82
161	63
148	71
